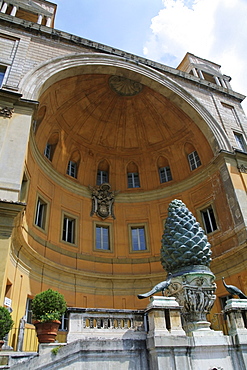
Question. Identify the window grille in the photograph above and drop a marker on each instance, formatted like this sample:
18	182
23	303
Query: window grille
102	177
165	174
47	151
194	160
138	238
209	220
72	169
68	230
240	142
102	238
40	216
133	180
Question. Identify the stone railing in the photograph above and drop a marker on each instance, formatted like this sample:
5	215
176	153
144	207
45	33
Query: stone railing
89	322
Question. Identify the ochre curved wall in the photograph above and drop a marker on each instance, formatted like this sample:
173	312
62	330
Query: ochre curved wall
87	116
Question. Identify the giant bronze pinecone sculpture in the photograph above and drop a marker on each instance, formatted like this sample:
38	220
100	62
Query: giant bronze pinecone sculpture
184	242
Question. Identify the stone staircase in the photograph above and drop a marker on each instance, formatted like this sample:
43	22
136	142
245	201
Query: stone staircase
11	358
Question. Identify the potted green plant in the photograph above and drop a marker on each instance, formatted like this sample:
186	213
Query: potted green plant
6	324
48	308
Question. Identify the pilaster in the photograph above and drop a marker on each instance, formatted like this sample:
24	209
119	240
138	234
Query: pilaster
8	212
166	340
15	122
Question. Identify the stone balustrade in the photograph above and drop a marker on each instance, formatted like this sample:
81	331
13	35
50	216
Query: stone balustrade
104	322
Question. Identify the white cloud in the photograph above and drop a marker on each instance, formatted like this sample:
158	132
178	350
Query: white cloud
212	29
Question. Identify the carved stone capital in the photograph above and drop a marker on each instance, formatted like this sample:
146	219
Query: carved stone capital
242	168
195	292
6	112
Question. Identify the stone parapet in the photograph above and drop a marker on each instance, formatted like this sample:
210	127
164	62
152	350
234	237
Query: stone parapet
235	310
94	323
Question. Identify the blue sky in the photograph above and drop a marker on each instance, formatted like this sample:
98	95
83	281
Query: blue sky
164	30
124	24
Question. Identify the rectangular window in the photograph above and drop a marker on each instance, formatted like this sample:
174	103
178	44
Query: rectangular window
208	219
138	238
24	188
68	230
194	160
223	301
102	237
240	141
47	151
165	174
102	177
230	115
40	216
29	312
72	169
133	180
2	73
64	322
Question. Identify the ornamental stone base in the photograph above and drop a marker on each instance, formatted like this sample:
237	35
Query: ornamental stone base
194	291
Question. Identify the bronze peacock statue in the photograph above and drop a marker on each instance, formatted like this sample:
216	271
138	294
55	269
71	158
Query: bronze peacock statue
161	287
233	290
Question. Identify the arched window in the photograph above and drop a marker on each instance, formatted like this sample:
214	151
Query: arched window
133	175
73	164
164	170
102	172
193	156
51	146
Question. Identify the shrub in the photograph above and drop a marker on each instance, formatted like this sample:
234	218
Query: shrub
55	350
6	322
48	306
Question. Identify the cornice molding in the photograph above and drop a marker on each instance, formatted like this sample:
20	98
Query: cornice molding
80	41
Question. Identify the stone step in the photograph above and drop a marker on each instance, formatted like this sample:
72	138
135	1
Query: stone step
10	358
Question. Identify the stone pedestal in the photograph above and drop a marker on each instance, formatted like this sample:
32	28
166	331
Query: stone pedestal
236	311
194	291
166	339
164	316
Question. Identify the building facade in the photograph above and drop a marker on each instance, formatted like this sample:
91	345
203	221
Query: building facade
95	144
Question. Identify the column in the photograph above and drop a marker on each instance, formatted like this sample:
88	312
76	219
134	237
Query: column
48	22
4	8
195	72
8	212
217	81
13	11
15	130
40	17
200	74
223	83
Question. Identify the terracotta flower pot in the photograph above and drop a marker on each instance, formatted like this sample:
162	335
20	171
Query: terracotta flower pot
47	331
1	344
